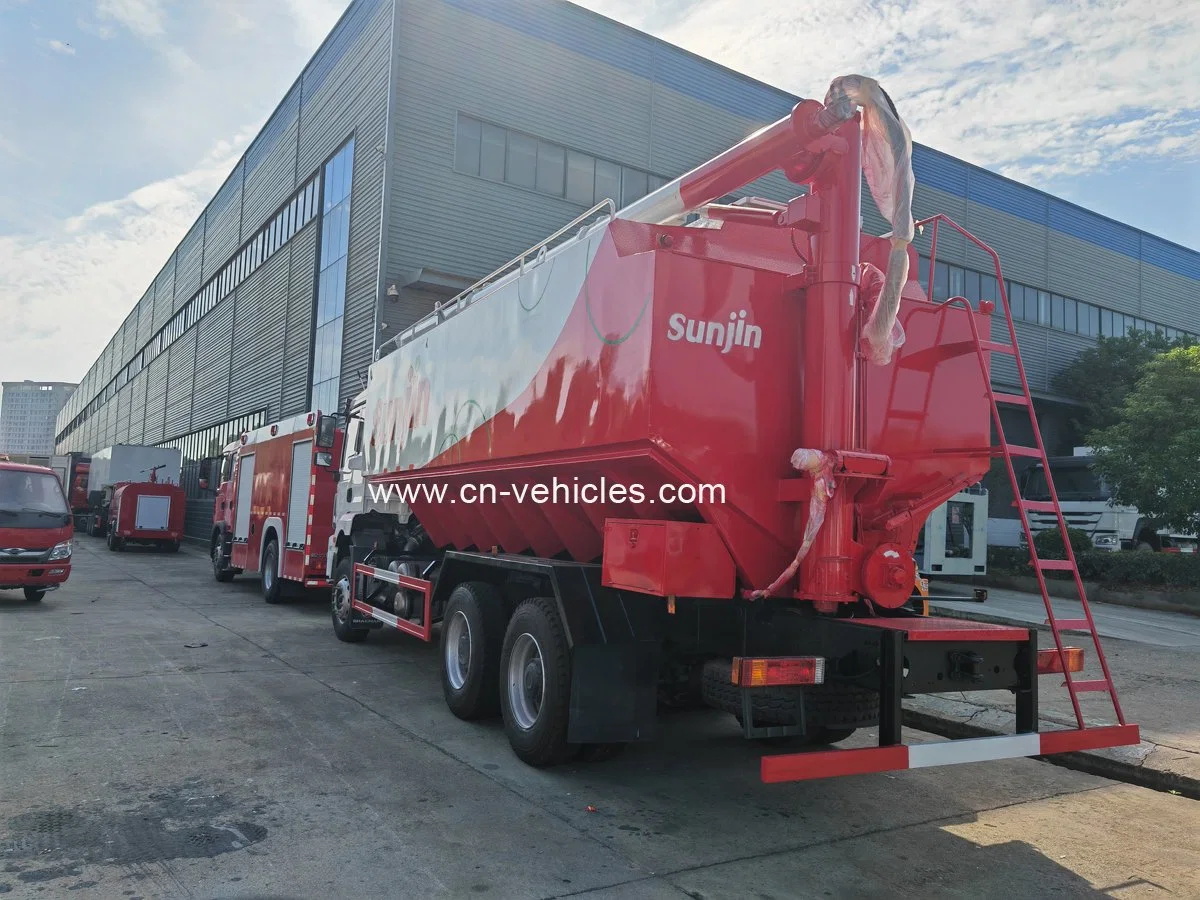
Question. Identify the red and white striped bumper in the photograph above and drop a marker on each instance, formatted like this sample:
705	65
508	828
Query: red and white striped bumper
830	763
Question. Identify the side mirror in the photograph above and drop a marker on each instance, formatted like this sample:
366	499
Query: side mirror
355	463
325	432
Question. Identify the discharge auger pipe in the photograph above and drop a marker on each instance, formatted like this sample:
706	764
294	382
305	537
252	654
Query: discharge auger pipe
829	391
763	152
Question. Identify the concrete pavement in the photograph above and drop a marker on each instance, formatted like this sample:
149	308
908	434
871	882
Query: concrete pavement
1154	658
1145	626
162	735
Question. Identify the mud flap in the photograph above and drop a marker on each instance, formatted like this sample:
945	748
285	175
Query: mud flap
614	692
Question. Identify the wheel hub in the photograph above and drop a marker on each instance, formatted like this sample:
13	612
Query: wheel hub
341	599
457	661
526	678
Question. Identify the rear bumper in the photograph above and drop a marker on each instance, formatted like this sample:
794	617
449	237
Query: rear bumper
143	535
832	763
49	574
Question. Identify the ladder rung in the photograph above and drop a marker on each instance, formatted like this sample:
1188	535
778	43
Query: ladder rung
1098	685
997	347
1056	565
1018	450
1012	399
1070	624
1039	506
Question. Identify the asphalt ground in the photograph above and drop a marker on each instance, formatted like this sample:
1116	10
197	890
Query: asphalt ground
162	735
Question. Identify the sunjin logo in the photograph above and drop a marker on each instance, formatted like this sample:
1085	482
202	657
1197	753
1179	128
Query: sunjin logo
737	332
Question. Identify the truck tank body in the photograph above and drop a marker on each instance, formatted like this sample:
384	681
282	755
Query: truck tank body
616	357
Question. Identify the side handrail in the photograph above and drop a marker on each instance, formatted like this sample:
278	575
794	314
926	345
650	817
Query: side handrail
462	300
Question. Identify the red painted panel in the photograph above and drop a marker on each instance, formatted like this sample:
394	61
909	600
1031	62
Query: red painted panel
932	628
1089	738
832	763
683	559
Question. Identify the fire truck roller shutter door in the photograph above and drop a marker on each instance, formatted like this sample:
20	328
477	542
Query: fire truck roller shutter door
245	486
298	490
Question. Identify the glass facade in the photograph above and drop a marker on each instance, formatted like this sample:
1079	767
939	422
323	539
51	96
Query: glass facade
331	282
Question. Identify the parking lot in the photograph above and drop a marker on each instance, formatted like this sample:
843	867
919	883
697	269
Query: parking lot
163	735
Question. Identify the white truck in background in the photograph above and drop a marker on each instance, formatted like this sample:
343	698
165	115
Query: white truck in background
1088	505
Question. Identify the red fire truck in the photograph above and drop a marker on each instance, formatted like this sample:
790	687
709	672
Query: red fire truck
72	472
273	511
146	512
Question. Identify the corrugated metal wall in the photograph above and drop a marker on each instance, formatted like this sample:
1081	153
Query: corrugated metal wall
345	93
259	316
297	361
251	353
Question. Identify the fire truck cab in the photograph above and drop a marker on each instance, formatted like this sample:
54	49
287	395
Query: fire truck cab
273	508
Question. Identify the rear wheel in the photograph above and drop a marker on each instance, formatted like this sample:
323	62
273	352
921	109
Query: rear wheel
832	712
271	583
172	546
472	632
343	615
217	556
535	684
114	542
33	595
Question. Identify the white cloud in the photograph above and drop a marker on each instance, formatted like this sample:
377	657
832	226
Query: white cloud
59	47
1033	88
314	19
145	18
68	287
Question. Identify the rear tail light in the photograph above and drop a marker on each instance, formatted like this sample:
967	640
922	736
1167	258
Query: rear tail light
778	670
1049	661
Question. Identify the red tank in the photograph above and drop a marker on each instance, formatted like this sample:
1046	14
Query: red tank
147	512
639	353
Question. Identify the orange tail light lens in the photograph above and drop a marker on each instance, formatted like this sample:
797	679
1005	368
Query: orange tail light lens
772	670
1050	661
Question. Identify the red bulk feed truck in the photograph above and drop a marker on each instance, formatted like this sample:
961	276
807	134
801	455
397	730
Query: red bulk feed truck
273	510
682	452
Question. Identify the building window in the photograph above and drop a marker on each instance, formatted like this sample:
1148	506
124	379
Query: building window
521	167
331	281
551	166
516	158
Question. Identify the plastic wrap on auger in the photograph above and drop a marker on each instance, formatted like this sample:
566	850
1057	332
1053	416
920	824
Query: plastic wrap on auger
887	164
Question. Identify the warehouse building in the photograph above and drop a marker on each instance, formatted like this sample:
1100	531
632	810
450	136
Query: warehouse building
429	141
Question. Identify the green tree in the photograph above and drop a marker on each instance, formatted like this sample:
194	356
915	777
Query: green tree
1102	376
1151	455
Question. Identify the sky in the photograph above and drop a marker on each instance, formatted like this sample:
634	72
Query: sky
119	119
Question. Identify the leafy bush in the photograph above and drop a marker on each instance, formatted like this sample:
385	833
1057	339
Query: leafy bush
1126	568
1049	543
1129	567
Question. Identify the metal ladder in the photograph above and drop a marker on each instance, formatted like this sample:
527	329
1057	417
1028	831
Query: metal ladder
1007	451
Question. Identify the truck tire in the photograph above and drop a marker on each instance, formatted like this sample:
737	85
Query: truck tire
535	684
472	632
217	556
114	543
173	546
272	584
832	712
343	616
33	595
